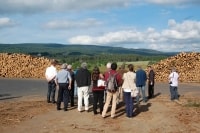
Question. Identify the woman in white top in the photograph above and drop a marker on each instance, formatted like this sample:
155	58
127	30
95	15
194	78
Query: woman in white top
129	85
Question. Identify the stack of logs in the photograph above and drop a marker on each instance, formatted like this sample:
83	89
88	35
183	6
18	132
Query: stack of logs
186	64
26	66
22	66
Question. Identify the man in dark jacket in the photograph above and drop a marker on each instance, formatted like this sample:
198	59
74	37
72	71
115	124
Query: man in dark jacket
141	79
83	80
151	81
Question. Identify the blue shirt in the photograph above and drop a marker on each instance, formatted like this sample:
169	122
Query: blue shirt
141	78
63	76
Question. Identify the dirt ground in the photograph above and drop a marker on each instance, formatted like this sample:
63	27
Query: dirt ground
158	115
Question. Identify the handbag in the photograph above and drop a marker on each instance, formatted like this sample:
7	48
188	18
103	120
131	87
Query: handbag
100	83
134	92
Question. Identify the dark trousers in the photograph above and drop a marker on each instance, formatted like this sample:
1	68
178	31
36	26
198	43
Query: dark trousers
129	104
98	97
63	94
150	90
71	95
51	91
174	92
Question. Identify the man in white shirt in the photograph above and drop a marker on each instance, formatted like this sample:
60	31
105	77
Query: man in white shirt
50	75
173	81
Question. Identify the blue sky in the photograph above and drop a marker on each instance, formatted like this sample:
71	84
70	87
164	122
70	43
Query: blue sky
164	25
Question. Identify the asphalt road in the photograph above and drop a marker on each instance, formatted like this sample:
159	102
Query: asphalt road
17	88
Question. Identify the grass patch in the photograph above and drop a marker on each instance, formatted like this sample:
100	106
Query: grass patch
192	103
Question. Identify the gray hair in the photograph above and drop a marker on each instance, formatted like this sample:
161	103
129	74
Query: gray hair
84	65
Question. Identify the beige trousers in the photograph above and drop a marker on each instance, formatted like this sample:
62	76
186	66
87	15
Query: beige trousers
110	96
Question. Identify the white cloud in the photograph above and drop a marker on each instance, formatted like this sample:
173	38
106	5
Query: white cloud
6	22
73	24
177	37
174	2
33	6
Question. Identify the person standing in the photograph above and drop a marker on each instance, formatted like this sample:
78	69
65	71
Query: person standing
63	80
71	91
83	80
173	81
141	79
111	95
98	91
108	68
121	71
129	85
151	82
50	75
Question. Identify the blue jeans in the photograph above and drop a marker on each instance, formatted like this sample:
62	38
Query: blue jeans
129	104
142	89
51	91
173	92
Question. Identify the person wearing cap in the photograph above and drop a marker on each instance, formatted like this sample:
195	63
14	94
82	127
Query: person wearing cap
83	80
50	75
63	80
151	82
71	91
173	81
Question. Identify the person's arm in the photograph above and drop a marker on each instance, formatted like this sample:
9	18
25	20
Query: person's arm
70	80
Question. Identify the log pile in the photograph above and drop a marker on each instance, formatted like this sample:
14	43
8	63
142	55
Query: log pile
27	66
22	66
186	64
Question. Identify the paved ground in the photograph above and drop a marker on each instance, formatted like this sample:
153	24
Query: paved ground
17	88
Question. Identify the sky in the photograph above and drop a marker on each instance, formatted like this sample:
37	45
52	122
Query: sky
163	25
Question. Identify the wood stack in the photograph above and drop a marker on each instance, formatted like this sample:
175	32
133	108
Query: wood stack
22	66
186	64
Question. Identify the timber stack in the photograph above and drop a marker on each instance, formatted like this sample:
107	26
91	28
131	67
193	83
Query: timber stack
186	64
22	66
27	66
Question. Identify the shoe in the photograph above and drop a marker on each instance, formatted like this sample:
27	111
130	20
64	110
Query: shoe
54	102
58	108
103	116
65	109
113	117
95	112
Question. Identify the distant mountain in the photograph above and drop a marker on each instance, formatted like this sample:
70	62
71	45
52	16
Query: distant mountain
53	48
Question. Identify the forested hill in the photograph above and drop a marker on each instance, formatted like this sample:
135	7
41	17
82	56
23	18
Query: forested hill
60	49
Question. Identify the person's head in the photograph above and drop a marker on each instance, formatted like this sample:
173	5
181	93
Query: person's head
114	66
84	65
95	73
149	67
123	66
54	62
63	66
131	67
69	67
96	70
108	65
173	69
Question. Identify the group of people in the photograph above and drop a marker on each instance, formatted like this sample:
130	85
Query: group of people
127	81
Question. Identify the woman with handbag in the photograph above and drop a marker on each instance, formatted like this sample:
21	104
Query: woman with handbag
129	89
98	88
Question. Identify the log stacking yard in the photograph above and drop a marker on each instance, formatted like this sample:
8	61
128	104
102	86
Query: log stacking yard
26	66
